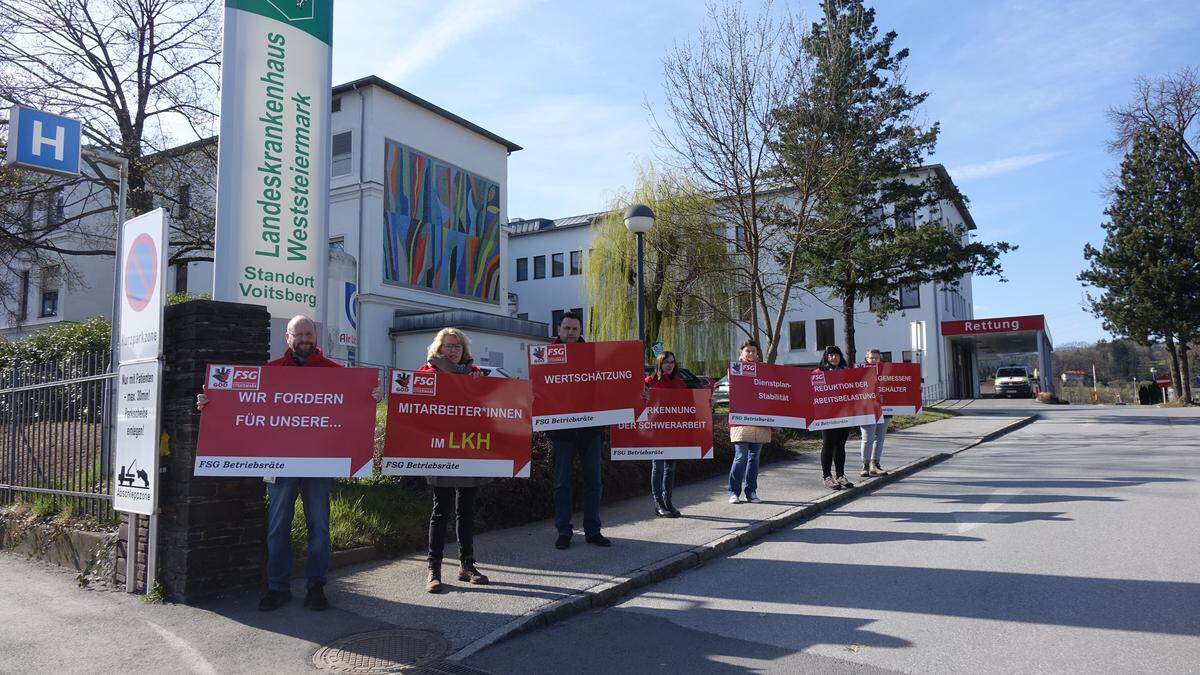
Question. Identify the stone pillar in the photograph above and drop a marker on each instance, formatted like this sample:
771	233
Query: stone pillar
212	530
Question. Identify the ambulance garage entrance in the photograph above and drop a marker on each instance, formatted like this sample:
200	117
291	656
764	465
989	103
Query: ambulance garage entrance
976	348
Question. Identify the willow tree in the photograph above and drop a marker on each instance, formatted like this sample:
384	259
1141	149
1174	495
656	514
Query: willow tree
688	275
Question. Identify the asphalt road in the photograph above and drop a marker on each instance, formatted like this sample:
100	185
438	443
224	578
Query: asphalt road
1068	546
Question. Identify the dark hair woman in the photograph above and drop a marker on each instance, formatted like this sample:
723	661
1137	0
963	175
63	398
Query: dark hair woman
747	444
662	471
833	441
450	353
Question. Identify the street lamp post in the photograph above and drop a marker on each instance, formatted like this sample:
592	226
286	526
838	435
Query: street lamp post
638	220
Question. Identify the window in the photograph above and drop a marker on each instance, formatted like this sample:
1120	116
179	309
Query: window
337	244
910	297
796	337
524	316
824	333
886	357
556	265
336	106
539	267
876	303
579	313
907	356
555	319
181	272
23	301
54	207
49	305
342	154
522	269
576	262
906	220
184	200
27	219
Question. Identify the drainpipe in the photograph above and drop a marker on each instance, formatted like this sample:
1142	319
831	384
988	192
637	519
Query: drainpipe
362	179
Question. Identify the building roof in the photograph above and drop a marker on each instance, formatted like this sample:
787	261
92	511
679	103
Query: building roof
376	81
521	227
403	322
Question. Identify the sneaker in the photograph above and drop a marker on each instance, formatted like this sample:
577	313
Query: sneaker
273	600
315	600
832	484
598	540
734	499
866	471
841	480
753	498
563	541
877	470
673	511
468	573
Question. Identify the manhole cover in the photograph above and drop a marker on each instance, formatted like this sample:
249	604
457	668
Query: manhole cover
381	651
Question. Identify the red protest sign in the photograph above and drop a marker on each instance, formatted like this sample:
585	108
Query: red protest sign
281	421
843	398
675	424
441	424
768	394
899	388
585	384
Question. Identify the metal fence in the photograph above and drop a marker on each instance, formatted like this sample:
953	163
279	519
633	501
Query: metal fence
51	430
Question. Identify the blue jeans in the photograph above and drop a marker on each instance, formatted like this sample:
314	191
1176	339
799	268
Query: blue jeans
281	504
662	480
566	447
745	463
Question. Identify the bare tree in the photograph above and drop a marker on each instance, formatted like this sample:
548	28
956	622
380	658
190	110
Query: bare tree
142	76
1171	103
723	91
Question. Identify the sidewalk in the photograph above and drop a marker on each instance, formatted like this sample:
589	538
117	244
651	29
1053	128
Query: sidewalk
531	581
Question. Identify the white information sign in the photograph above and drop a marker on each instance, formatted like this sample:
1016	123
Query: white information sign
143	264
135	488
273	162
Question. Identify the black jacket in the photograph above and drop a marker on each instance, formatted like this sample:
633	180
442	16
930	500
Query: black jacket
583	435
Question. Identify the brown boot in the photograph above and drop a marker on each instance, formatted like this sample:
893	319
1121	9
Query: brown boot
877	470
866	471
434	583
467	572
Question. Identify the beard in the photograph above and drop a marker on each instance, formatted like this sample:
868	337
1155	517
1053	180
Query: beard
304	349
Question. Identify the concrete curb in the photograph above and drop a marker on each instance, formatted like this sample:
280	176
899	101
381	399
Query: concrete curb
609	592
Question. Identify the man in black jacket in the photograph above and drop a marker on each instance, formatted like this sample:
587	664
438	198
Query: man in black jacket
586	443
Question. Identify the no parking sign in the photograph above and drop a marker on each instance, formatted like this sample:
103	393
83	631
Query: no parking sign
139	344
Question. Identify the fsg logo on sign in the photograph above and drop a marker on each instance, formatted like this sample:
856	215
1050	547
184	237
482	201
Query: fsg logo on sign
44	142
414	383
244	378
547	355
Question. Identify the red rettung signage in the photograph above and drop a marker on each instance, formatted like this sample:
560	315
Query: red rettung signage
1006	324
441	424
843	398
899	388
675	424
281	421
768	395
585	384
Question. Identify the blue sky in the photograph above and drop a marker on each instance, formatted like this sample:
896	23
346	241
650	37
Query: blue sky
1020	89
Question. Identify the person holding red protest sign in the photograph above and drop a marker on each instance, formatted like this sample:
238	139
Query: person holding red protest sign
662	471
833	441
872	434
450	352
747	444
302	352
585	442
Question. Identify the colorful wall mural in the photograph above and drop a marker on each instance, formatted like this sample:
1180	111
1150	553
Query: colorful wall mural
441	226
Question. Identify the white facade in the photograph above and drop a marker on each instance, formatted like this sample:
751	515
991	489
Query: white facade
537	246
810	316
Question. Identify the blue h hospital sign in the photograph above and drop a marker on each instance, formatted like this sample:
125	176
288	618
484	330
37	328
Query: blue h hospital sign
43	141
